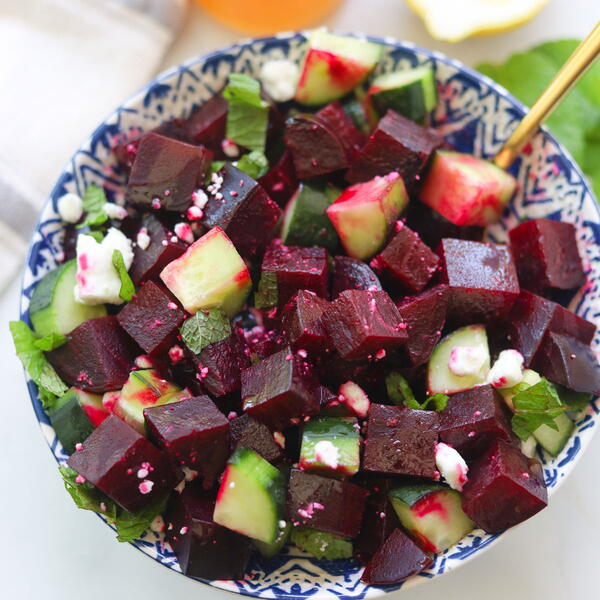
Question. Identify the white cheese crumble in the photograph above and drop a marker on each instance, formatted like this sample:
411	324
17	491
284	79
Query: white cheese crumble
98	281
451	465
143	239
279	79
70	208
507	370
327	453
467	360
230	148
114	211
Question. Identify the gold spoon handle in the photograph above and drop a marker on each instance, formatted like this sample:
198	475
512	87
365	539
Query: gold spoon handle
582	58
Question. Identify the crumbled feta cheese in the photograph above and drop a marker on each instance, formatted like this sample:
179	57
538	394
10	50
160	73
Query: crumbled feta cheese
158	524
230	148
467	360
144	361
114	211
184	232
451	466
176	353
199	199
507	370
70	208
189	474
279	79
327	453
194	213
98	281
146	486
279	438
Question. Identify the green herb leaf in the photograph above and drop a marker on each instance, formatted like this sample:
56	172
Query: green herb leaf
204	328
94	200
572	400
248	113
321	544
37	366
50	342
97	235
535	406
267	294
399	391
127	288
87	496
439	402
254	164
130	526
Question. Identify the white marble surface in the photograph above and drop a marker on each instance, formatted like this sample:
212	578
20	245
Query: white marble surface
51	550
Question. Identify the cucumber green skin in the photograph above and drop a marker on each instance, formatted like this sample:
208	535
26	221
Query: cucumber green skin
70	421
305	221
411	494
354	109
53	308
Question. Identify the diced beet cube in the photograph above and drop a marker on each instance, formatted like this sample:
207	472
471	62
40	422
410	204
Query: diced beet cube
360	323
406	262
206	125
425	316
401	441
149	262
193	432
278	389
397	144
280	180
565	360
152	318
546	255
203	548
504	488
301	323
124	465
316	150
396	560
473	419
481	277
325	504
297	269
247	432
166	171
335	119
97	357
243	210
352	274
368	374
533	317
220	365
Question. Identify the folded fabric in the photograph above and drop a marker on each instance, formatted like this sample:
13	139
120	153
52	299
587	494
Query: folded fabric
65	64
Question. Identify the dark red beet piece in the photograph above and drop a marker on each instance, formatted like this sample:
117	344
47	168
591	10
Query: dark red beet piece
397	144
532	317
97	357
168	171
361	323
352	274
473	419
481	277
425	316
206	125
406	262
335	119
112	459
126	151
193	431
546	255
396	560
297	269
245	212
245	431
401	441
203	548
280	180
279	388
504	488
152	318
325	504
316	150
220	364
565	360
301	323
149	262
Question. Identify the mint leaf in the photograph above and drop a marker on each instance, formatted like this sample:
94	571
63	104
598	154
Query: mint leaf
50	385
321	544
267	294
254	164
536	406
93	200
87	496
204	328
248	113
50	342
130	526
572	400
127	288
399	391
438	401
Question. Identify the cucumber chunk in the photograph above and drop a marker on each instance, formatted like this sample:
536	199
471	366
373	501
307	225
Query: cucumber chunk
251	497
53	308
321	544
432	513
274	548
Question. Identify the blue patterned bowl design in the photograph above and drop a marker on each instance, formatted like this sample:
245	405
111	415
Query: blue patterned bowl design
475	115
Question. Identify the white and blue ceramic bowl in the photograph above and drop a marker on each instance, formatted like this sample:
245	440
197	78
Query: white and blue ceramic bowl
475	115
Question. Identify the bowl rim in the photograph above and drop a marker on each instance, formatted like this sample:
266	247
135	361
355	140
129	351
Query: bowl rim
520	108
